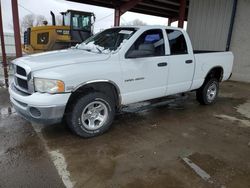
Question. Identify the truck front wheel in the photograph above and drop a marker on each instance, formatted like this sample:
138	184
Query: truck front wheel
91	115
208	92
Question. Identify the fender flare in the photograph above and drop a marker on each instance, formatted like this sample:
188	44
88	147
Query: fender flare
221	76
101	81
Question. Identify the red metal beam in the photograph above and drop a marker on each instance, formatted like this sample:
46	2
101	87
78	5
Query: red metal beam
183	4
128	5
117	17
171	20
5	68
16	28
121	9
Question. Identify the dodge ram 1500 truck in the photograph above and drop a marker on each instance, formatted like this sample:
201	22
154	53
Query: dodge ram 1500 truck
88	83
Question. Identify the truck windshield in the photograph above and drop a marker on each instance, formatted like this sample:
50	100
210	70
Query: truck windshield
107	40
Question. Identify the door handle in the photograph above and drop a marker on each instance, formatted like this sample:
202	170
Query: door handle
189	61
162	64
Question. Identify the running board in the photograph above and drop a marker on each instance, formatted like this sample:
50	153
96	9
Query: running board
150	104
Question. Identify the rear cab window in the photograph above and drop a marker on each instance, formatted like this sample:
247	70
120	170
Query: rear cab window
177	42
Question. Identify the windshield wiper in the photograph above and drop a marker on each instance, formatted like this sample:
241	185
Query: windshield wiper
89	49
100	51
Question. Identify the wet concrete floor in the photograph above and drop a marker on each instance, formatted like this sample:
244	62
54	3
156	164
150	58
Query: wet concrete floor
24	161
142	149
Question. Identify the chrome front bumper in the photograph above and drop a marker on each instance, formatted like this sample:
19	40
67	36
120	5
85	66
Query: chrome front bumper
46	113
43	115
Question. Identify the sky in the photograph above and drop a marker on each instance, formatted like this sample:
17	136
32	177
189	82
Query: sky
104	16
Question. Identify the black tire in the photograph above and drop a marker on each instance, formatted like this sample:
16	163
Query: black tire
202	95
74	118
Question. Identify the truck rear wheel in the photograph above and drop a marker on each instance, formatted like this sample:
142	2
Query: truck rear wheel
91	115
208	92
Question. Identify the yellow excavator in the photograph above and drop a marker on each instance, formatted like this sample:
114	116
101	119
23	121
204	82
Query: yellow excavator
76	27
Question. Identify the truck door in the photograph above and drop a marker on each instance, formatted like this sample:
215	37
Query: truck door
181	62
145	68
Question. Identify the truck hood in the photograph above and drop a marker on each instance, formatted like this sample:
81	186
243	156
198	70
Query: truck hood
59	58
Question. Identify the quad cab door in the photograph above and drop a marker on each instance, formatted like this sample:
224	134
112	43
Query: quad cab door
181	62
145	68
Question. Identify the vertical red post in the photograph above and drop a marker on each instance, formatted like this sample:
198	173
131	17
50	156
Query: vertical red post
120	9
117	17
6	80
182	13
16	28
169	21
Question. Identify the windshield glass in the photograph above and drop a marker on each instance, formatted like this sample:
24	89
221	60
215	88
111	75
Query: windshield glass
81	21
67	19
108	40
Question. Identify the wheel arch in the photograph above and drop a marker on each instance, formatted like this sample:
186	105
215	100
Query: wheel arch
106	86
215	72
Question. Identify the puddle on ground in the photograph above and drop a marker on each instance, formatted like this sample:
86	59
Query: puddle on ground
244	109
2	152
175	106
61	166
224	174
6	111
156	179
240	122
208	163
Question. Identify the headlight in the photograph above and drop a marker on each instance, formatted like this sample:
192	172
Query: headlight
48	85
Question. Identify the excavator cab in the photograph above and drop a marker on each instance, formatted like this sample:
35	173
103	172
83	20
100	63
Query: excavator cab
80	23
76	27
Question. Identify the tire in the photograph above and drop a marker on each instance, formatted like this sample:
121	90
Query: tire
208	92
91	115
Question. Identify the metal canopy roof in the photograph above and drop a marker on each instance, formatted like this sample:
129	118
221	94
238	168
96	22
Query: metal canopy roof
162	8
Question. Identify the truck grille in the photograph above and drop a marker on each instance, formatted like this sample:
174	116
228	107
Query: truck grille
22	83
21	79
21	71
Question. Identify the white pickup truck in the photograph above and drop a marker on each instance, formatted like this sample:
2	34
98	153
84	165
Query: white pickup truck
88	83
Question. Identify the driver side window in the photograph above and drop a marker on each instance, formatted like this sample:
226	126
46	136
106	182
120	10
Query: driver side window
149	44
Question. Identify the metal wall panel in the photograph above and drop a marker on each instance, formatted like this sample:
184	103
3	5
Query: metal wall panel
208	23
240	43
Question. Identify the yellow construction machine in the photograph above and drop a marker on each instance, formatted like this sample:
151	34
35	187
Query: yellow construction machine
76	27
